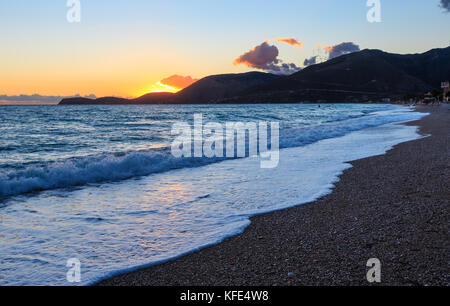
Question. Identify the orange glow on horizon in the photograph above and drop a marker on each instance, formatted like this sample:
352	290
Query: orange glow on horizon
172	84
160	87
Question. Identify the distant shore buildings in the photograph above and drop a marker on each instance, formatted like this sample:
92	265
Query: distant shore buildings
445	88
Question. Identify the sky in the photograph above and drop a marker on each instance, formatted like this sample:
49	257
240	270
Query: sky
127	47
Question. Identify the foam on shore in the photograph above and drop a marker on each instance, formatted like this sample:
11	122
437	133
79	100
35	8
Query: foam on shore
118	227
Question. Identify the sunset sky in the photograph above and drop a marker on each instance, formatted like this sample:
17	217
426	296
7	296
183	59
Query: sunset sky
125	47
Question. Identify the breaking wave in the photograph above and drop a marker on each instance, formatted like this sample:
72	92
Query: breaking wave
111	167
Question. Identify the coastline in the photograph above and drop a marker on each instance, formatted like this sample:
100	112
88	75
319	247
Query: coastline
393	207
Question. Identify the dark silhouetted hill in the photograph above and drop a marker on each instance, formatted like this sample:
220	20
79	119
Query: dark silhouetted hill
356	77
211	89
216	88
151	98
368	75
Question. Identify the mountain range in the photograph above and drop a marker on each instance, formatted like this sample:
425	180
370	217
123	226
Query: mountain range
368	75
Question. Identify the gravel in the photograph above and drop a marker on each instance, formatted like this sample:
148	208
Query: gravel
393	207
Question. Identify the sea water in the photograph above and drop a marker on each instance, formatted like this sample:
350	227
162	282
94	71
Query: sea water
99	183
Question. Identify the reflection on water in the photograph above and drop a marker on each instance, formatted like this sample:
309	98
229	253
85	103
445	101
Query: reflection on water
116	226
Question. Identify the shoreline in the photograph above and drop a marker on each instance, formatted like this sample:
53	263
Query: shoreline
380	208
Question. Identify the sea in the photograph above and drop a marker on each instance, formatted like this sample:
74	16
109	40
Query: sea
99	186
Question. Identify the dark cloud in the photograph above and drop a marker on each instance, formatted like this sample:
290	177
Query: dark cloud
260	57
265	57
310	61
286	69
342	49
331	52
445	4
36	99
179	81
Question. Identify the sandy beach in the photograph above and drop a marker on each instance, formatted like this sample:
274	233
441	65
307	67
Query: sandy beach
393	207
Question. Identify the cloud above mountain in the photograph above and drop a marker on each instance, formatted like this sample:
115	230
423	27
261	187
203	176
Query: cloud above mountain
310	61
260	57
179	81
290	41
341	49
265	57
331	52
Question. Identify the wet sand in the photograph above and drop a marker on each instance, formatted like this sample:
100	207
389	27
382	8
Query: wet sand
393	207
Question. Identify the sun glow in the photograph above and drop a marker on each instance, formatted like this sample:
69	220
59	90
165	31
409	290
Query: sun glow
161	87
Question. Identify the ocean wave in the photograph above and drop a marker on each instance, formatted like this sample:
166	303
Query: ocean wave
121	166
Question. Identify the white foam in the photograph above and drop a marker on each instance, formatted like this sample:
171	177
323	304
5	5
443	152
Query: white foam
118	227
115	167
